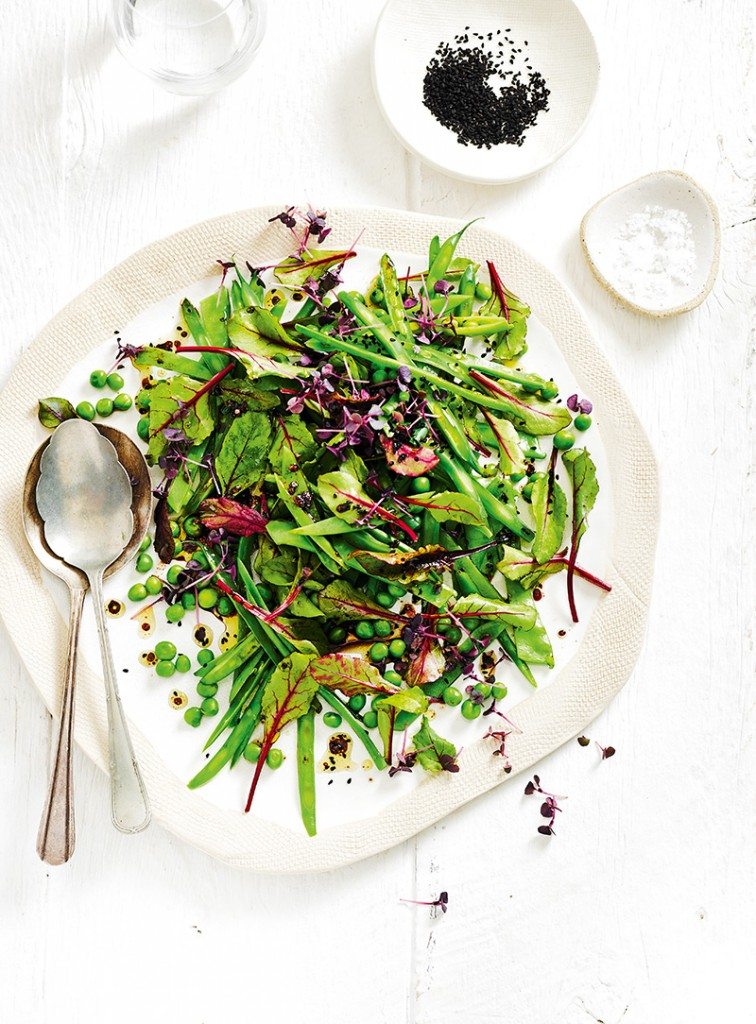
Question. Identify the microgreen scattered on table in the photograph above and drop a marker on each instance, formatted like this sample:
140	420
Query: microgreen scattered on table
347	480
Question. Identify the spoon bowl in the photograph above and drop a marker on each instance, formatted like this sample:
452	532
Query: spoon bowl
141	509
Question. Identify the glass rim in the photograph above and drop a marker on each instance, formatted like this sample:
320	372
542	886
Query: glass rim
145	16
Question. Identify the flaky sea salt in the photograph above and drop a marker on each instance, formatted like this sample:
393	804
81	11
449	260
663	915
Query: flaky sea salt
654	255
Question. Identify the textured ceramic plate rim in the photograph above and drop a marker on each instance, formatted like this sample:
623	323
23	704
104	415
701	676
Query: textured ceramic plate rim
698	298
486	179
547	718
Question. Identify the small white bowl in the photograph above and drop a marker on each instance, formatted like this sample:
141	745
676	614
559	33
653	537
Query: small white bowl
560	47
669	189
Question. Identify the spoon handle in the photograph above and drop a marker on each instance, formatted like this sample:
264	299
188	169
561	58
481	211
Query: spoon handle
57	829
130	809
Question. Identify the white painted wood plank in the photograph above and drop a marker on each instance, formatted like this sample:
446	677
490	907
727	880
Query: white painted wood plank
641	908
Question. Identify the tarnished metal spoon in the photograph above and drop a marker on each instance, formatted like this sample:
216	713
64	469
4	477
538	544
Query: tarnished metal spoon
56	838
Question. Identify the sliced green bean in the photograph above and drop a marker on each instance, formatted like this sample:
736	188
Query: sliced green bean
306	770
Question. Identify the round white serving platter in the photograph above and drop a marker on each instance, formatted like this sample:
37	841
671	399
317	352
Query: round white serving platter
547	717
560	46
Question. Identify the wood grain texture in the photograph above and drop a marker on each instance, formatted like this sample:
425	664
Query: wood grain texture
640	909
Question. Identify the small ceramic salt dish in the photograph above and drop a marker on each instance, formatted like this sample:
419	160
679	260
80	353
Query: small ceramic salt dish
654	244
494	66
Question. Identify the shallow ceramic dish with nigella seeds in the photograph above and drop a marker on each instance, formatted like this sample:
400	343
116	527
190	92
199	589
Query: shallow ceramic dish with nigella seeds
490	91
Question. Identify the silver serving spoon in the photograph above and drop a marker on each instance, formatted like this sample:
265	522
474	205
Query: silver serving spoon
84	497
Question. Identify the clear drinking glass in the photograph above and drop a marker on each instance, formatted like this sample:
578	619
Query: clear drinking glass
189	46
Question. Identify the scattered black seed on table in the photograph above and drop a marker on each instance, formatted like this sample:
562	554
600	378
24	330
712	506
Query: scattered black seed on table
473	89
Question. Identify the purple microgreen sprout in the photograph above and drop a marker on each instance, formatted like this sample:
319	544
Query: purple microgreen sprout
583	741
440	903
549	808
576	404
606	752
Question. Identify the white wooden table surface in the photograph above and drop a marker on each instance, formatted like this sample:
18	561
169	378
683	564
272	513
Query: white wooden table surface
641	909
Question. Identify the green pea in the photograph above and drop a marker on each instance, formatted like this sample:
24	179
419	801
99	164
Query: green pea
443	626
337	635
358	702
85	411
465	646
146	541
205	656
379	652
225	606
193	717
498	692
564	440
143	428
175	612
252	752
581	422
153	585
275	758
516	477
332	719
104	407
483	291
144	562
454	634
383	628
209	707
420	485
384	599
452	696
183	663
98	378
397	648
207	689
378	376
376	296
392	676
484	689
165	650
138	592
174	574
364	630
527	491
142	400
122	402
549	390
178	547
396	590
165	669
188	600
207	598
404	720
370	719
175	529
375	701
470	710
114	381
192	527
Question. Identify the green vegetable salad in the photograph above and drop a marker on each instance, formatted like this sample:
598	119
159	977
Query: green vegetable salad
369	507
